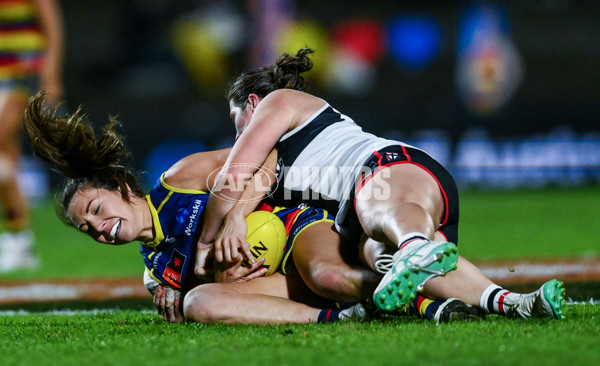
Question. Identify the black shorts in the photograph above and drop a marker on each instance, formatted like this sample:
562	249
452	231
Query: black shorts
398	154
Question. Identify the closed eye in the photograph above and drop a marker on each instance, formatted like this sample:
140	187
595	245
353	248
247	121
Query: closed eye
83	228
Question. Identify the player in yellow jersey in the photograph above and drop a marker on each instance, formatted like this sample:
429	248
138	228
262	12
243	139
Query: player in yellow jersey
103	199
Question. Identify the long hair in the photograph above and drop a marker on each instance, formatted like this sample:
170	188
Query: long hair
69	146
284	74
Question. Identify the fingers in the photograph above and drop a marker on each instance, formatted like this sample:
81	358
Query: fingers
202	253
156	299
231	249
175	313
168	304
219	250
258	273
159	301
169	298
256	265
248	252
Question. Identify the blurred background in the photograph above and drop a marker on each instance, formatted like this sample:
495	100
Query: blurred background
505	94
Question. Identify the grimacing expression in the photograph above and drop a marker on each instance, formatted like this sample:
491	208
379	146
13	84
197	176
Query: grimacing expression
104	216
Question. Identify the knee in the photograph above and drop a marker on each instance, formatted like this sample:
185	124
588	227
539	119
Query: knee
329	280
201	305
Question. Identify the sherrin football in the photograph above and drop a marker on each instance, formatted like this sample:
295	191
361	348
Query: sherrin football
267	238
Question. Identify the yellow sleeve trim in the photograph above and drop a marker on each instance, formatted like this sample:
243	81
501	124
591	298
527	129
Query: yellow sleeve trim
151	273
324	219
178	190
159	236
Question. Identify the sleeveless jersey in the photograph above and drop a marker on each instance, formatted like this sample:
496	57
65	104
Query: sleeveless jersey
176	214
320	161
296	220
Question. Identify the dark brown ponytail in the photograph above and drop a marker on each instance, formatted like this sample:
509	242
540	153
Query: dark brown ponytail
284	74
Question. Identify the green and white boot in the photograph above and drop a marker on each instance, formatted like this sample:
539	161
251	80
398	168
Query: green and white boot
407	271
546	302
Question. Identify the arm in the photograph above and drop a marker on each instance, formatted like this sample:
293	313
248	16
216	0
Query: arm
232	234
271	119
276	114
51	22
197	171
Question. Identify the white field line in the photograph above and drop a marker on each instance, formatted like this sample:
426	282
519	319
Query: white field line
70	312
102	289
560	270
65	291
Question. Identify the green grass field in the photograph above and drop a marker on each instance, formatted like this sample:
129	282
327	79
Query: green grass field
134	338
495	225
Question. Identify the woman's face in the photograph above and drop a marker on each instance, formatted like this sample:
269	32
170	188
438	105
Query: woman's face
105	216
243	116
240	117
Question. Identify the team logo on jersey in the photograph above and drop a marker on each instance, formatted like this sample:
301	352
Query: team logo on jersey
391	156
174	269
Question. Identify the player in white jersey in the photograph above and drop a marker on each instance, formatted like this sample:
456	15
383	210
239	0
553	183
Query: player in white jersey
394	193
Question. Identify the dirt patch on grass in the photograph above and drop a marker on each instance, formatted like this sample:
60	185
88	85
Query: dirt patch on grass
522	274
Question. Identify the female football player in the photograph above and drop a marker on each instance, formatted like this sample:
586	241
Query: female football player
396	194
103	199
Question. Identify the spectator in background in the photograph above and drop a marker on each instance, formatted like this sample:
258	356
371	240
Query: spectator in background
31	55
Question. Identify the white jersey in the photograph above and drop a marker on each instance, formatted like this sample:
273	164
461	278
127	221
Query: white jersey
320	160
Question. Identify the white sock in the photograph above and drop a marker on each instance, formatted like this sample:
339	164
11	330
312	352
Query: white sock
412	239
493	299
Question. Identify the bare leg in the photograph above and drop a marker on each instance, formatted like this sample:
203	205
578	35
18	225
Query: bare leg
265	300
14	204
467	282
399	200
322	259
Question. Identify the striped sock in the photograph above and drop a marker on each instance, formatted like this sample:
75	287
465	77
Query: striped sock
328	316
493	298
425	308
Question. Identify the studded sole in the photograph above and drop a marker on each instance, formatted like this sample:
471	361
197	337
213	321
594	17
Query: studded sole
554	294
400	285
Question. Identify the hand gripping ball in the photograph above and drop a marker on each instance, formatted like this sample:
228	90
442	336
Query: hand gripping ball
267	239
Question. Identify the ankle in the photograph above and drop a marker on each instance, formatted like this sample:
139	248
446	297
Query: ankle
412	239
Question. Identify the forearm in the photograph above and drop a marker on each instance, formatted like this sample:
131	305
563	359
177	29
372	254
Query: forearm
216	209
257	189
224	200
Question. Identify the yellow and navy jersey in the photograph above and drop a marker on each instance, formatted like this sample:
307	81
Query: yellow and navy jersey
296	220
177	216
22	41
